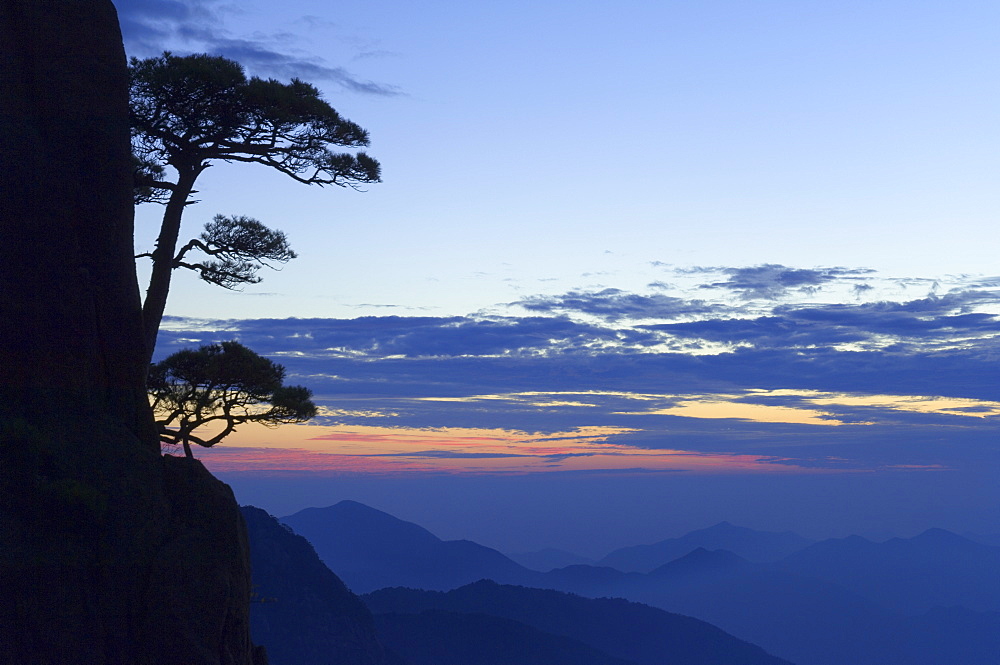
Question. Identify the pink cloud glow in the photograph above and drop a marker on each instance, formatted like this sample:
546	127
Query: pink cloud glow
399	450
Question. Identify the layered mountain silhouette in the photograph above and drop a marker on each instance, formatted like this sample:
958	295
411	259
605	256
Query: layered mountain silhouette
303	613
548	559
912	575
628	631
747	543
370	549
834	602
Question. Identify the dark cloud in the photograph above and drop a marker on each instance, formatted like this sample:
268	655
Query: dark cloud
764	331
614	305
955	373
257	58
861	289
932	320
151	26
934	345
772	281
374	337
147	25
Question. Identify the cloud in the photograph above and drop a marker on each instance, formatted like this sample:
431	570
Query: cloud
615	304
933	321
861	289
258	58
804	387
151	26
937	345
773	281
549	372
395	336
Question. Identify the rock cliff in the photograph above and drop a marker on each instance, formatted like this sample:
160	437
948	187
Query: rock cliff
303	612
109	553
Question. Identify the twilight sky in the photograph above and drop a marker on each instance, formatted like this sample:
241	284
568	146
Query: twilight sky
634	267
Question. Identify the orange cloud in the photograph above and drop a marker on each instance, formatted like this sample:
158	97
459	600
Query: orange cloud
401	450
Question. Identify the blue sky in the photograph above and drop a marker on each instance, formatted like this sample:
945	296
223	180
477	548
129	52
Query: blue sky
682	262
527	147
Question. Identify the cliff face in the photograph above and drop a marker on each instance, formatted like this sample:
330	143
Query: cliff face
303	612
109	553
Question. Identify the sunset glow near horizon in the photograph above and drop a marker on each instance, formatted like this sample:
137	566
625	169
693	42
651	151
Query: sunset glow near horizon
398	449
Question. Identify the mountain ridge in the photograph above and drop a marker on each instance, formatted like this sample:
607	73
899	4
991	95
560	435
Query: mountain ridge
621	628
753	545
386	551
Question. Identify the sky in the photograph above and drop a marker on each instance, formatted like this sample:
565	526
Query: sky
634	268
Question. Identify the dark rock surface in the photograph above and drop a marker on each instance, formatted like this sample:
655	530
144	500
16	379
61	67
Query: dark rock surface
109	553
199	582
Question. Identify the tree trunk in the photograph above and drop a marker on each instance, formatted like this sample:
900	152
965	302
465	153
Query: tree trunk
163	258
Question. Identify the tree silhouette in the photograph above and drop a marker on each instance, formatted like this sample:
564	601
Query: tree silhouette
190	111
239	245
222	385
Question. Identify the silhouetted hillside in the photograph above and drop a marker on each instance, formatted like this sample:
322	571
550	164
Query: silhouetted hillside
747	543
911	575
371	549
626	630
437	637
304	613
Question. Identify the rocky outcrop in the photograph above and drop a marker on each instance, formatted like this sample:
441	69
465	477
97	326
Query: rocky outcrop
109	553
198	597
303	612
71	316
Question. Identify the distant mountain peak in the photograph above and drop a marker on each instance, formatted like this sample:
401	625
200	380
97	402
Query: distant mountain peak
351	503
699	560
379	529
725	528
748	543
358	507
938	533
370	549
943	538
